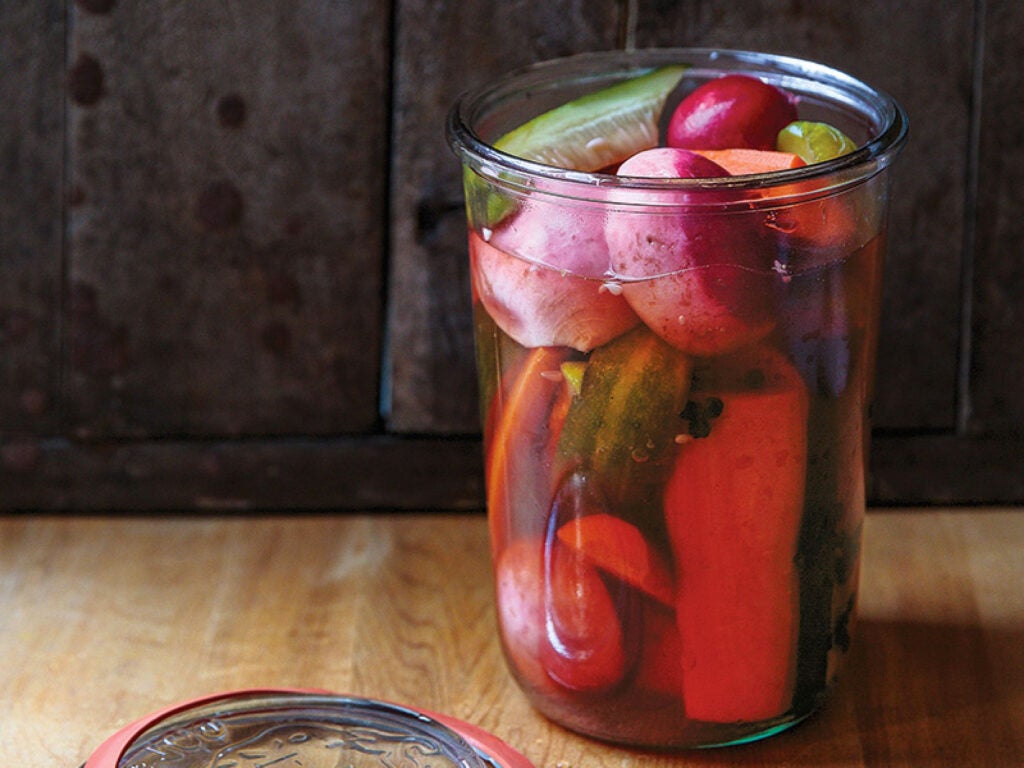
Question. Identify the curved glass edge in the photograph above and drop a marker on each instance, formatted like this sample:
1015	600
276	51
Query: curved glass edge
513	172
475	750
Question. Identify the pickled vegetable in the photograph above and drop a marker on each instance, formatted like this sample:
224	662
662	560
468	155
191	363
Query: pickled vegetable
519	423
734	504
540	280
621	429
730	112
598	129
815	142
590	133
705	279
620	549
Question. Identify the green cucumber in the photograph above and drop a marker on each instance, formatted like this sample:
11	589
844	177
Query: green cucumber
814	142
621	430
589	133
598	129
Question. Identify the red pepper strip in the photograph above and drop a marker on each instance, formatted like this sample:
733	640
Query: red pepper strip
660	666
733	507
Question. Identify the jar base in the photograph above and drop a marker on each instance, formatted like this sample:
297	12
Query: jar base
760	735
665	730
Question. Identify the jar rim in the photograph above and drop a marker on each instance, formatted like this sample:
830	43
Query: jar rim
887	139
190	722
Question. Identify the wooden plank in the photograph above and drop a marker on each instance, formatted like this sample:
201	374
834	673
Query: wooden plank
226	254
32	156
997	362
431	365
377	473
929	469
409	473
923	58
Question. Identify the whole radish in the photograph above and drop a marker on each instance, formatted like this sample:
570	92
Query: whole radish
729	112
698	280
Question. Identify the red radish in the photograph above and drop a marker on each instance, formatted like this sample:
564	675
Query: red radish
519	594
699	280
541	278
729	112
670	163
558	234
733	508
558	620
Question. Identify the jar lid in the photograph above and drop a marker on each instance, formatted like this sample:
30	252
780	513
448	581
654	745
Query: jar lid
300	727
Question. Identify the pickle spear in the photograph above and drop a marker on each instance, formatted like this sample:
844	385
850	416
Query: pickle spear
598	129
620	431
589	133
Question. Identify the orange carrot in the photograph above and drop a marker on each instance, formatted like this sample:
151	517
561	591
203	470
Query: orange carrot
733	506
618	547
520	415
743	161
825	222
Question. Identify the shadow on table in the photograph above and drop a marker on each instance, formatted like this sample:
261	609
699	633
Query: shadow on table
913	694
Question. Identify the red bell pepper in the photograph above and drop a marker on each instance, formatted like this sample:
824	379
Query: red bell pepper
733	507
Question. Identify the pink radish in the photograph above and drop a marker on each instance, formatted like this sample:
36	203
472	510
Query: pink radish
699	280
542	279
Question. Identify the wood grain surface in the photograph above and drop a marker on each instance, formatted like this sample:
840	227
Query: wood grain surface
104	619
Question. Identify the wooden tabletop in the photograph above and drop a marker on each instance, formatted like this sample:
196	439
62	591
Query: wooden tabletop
103	620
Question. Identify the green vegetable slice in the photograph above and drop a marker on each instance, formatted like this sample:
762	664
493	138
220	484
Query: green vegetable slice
814	142
598	129
621	430
586	134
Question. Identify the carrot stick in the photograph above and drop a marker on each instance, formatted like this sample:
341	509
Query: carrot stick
825	222
519	422
618	547
742	161
733	506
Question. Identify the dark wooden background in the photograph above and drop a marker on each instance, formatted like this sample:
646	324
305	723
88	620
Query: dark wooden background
232	260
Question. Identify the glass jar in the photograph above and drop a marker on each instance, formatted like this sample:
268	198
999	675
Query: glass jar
675	381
